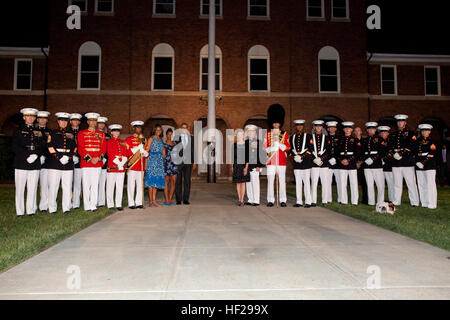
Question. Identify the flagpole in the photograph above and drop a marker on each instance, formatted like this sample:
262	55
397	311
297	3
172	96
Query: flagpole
211	86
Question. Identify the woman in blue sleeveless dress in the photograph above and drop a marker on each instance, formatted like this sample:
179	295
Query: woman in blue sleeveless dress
154	175
170	169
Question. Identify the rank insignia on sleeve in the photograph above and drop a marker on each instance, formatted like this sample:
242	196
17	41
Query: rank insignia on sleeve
433	147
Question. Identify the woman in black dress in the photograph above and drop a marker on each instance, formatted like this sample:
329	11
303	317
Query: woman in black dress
240	165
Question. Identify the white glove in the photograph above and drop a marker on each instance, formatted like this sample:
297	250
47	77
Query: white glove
419	165
124	160
135	149
76	160
282	147
144	153
141	148
369	161
117	161
318	161
397	156
64	160
104	160
383	163
32	158
298	159
332	161
42	160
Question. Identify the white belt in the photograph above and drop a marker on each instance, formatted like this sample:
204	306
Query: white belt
372	152
63	150
346	153
423	154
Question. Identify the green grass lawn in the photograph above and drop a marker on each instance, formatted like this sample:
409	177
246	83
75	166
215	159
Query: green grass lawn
21	238
431	226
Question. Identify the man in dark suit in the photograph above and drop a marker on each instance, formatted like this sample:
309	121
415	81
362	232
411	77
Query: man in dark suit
183	156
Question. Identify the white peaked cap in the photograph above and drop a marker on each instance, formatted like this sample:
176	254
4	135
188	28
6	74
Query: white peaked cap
102	119
332	123
348	124
115	127
383	128
43	114
299	121
137	123
76	116
371	124
251	127
425	126
318	122
63	115
92	116
401	117
29	111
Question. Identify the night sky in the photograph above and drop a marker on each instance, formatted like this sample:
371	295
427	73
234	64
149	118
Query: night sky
407	27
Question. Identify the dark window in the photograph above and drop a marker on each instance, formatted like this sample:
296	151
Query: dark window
90	72
80	3
328	76
258	8
431	81
258	75
105	6
164	6
340	9
205	7
205	74
314	8
163	73
388	85
23	75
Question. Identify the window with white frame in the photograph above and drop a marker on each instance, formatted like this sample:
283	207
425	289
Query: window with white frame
80	3
104	6
314	9
204	7
258	8
204	68
164	7
259	69
23	71
89	66
432	81
329	70
339	9
163	67
388	80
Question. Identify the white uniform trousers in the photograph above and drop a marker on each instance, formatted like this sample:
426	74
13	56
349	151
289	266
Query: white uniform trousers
337	176
43	186
281	172
253	187
66	179
114	179
426	180
389	177
90	180
324	175
134	181
30	178
303	178
76	187
409	175
352	176
102	188
374	176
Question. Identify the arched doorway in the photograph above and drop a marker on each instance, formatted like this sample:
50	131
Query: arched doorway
164	121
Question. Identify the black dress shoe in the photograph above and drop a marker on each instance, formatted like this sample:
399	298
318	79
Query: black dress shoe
178	203
297	205
66	212
132	207
186	202
307	206
270	204
120	208
248	203
313	205
283	205
140	207
94	210
255	204
20	216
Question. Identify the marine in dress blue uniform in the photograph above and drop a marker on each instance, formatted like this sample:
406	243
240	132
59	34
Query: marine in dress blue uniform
75	120
42	120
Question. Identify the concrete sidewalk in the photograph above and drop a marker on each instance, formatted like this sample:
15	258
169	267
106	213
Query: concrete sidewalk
216	250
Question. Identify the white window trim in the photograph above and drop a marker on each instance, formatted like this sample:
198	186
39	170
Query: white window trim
438	68
16	61
165	14
220	73
268	72
104	12
347	16
153	71
85	11
206	15
323	11
99	72
338	67
250	16
395	79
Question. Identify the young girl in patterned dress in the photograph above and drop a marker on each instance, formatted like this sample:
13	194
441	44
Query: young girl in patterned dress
154	176
170	169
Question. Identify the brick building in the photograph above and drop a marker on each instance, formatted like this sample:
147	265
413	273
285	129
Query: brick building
144	59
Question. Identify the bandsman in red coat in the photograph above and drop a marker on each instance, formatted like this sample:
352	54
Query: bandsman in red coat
92	149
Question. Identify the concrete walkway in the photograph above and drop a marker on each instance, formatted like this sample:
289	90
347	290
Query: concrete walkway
216	250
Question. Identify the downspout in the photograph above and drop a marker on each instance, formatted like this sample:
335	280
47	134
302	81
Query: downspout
45	79
369	111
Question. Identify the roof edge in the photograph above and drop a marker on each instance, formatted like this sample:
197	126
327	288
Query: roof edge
400	57
23	51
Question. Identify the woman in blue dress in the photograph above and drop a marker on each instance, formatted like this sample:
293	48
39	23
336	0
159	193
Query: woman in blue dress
170	169
154	175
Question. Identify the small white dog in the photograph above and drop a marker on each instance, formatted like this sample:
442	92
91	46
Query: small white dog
385	207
